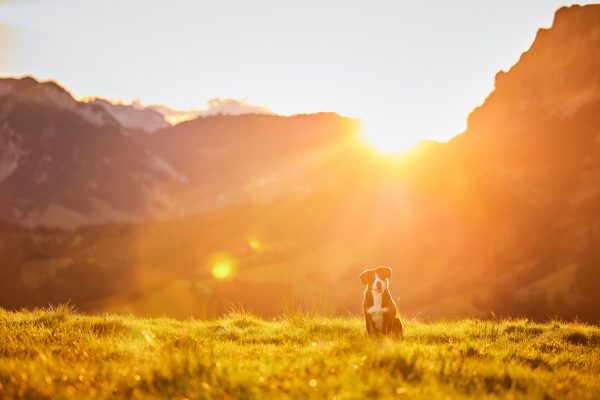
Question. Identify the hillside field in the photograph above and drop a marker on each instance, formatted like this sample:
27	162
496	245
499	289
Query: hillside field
58	354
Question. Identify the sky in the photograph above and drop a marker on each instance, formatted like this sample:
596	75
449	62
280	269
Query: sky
409	69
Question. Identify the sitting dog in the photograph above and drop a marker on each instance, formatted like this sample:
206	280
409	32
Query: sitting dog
378	306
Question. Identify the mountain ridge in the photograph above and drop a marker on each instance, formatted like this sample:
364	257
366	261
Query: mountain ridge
43	125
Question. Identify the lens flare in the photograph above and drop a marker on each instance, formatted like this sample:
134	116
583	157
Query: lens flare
221	270
254	244
222	266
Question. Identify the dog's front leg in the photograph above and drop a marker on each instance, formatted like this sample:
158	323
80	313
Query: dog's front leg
369	325
398	329
389	318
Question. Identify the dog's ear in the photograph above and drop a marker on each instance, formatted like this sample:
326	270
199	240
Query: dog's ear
384	272
366	277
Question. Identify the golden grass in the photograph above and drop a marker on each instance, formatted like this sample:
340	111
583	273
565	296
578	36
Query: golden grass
60	355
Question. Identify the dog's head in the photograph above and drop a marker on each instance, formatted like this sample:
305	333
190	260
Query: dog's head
376	278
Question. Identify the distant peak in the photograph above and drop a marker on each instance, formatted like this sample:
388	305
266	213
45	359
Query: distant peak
30	89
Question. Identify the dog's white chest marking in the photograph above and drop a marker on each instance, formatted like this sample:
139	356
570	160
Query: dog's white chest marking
376	311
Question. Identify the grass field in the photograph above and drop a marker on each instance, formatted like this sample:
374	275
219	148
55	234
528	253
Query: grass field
58	354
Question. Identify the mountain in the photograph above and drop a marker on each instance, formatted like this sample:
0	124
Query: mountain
133	116
253	157
149	119
533	155
215	107
65	162
502	220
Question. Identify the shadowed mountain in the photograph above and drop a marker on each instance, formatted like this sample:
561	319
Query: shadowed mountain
67	163
231	159
533	155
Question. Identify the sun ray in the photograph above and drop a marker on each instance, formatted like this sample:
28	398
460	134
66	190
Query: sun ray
386	137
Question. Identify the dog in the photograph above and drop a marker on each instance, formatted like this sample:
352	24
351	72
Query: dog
379	308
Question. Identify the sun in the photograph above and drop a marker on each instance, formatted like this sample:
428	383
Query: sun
387	138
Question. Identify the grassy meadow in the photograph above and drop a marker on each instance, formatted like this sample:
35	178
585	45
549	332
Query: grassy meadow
58	354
